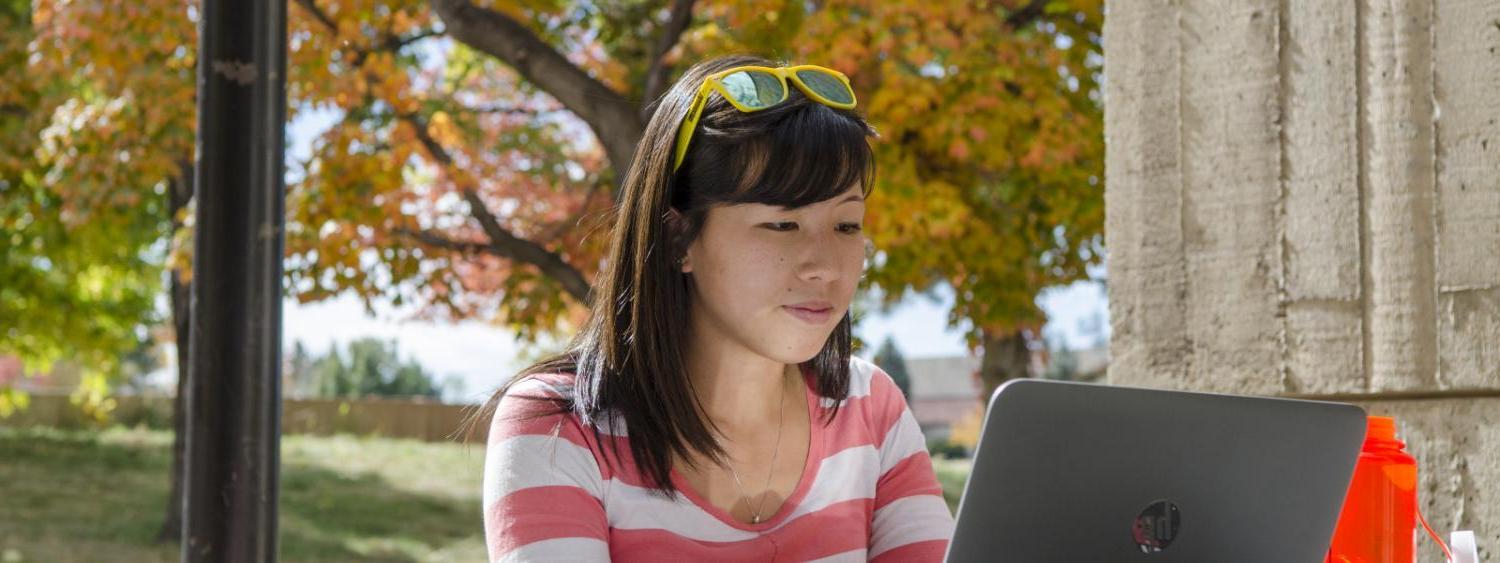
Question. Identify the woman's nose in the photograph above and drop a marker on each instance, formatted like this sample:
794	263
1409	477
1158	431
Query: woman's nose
822	260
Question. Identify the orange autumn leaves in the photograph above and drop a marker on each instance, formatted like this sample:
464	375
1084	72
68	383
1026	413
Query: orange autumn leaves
990	148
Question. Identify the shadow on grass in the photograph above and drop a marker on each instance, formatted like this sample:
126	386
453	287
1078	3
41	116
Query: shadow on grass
325	515
69	495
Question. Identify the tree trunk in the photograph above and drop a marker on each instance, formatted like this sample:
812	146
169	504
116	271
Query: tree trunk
181	294
1006	357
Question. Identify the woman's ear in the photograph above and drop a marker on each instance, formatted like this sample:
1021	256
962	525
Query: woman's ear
677	228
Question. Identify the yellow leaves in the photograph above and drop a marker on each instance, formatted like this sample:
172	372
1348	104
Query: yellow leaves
12	400
402	23
349	33
918	54
442	129
92	395
180	257
965	432
350	91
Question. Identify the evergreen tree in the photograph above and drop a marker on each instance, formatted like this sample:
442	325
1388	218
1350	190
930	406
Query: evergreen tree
373	368
298	380
889	358
1063	364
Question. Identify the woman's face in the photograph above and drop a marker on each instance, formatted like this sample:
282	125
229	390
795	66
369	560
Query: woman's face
776	281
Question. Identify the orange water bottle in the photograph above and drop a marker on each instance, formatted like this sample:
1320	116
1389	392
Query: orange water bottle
1379	520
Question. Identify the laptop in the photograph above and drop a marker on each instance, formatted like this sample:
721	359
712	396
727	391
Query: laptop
1083	472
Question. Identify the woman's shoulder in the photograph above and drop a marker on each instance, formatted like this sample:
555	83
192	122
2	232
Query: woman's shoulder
535	441
545	384
880	399
542	403
536	403
869	381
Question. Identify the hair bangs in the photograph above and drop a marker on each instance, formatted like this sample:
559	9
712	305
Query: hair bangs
813	154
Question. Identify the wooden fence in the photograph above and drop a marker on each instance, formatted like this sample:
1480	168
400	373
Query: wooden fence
393	418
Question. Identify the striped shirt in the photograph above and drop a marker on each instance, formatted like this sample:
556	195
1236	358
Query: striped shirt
868	491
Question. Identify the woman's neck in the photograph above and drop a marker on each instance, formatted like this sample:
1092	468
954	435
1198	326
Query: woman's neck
739	392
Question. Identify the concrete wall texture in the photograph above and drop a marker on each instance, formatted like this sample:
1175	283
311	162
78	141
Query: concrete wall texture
1303	199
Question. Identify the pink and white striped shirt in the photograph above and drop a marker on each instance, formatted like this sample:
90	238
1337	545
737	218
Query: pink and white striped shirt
867	492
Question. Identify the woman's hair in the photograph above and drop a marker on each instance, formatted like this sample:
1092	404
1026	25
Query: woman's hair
628	359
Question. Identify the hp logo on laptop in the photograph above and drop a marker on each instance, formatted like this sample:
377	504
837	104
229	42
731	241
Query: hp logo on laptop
1156	526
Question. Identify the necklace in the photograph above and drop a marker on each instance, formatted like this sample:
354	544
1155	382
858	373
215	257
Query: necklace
780	418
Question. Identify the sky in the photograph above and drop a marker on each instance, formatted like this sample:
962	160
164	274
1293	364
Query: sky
482	356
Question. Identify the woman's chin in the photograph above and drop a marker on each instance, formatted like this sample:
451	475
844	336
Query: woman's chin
801	354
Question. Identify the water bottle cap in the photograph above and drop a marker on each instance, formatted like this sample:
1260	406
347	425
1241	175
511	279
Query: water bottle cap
1380	428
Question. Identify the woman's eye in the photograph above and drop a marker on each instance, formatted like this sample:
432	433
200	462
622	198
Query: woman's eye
785	226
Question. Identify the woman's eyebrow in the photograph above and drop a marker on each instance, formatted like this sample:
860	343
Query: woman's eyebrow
852	198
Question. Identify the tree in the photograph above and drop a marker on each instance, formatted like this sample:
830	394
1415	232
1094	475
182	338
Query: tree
373	369
79	260
104	155
296	373
1063	361
889	358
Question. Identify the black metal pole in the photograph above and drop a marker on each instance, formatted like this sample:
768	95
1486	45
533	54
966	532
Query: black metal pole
234	392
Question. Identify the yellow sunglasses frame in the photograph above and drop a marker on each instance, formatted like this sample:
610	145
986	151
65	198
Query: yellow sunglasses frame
785	74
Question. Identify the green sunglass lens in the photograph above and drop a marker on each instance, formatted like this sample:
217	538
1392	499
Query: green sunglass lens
826	85
754	89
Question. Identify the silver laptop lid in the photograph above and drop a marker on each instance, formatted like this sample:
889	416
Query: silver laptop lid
1082	472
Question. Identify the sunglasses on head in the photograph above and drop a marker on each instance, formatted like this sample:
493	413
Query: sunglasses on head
754	88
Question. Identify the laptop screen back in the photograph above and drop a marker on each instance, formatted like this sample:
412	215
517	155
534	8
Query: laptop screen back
1082	472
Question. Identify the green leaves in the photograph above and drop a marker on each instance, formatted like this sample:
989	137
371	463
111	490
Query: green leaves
100	116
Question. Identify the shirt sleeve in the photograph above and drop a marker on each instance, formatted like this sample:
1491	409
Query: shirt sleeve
543	489
911	520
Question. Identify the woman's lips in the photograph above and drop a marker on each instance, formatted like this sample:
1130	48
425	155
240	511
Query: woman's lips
809	315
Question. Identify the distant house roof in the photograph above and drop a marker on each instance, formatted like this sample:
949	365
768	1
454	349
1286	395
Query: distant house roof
950	377
944	390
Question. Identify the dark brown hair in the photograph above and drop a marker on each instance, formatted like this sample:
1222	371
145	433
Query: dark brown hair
627	360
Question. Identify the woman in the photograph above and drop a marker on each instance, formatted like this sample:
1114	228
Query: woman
711	409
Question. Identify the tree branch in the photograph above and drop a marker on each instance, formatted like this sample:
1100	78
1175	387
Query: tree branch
436	240
656	74
391	43
502	243
505	110
1027	15
318	14
608	113
552	233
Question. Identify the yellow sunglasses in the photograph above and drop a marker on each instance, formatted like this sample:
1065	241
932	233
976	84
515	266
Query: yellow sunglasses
754	88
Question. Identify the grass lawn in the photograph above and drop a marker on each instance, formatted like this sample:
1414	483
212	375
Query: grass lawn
952	474
101	496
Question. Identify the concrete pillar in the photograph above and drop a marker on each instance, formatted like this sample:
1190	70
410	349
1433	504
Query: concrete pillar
1303	199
